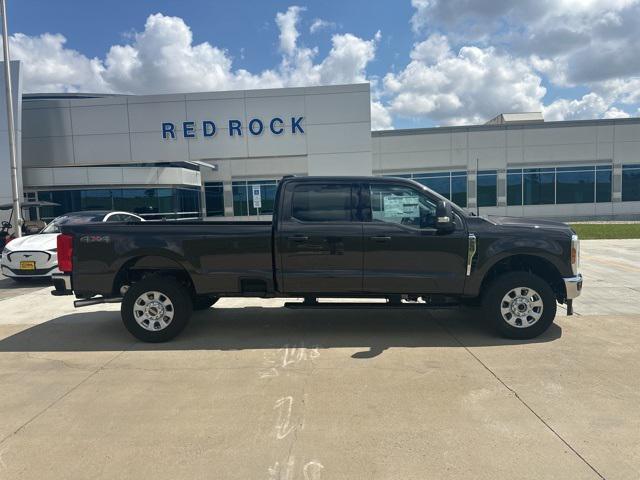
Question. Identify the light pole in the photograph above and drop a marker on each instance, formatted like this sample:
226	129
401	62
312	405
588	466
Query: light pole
17	228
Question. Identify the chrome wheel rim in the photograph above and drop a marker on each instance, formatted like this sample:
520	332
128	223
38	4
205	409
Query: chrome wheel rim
521	307
153	311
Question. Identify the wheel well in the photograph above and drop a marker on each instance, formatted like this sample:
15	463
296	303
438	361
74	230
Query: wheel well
528	263
138	268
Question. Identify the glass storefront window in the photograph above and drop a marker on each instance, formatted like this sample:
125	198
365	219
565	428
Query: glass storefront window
243	197
188	200
459	188
603	183
631	183
96	200
575	184
438	182
240	205
487	190
452	185
166	200
538	186
150	203
514	187
560	185
214	198
141	201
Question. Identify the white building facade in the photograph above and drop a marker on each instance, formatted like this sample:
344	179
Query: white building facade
221	154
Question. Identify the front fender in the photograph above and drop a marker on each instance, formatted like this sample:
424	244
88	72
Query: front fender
551	250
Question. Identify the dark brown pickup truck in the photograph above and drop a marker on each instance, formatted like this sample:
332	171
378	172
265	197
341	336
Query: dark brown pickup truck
349	237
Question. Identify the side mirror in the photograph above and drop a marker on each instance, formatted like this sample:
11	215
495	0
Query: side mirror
444	217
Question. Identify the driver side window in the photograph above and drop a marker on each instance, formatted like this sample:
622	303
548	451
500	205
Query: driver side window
402	205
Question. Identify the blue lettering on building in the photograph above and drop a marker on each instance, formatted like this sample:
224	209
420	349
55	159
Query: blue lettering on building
295	124
208	128
189	129
272	126
256	126
168	130
235	126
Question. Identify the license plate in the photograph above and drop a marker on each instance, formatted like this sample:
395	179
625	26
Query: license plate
28	265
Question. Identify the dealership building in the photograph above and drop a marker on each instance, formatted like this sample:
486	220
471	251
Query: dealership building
220	154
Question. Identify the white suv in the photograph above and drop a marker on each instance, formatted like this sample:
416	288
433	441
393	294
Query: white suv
35	256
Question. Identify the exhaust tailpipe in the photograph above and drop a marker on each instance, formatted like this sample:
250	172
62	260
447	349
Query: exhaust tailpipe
85	302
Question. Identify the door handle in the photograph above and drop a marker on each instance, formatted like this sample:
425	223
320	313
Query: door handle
380	238
299	238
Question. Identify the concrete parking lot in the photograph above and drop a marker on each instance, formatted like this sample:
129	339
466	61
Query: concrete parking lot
252	391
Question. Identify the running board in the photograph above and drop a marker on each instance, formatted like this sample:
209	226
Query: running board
368	306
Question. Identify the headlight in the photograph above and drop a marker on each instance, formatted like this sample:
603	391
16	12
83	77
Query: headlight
575	254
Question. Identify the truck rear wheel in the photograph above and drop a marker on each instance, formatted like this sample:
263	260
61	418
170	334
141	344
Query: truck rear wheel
156	309
520	305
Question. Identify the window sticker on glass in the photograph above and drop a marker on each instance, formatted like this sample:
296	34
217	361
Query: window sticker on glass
401	206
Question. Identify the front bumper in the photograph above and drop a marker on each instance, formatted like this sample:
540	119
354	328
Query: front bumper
61	284
37	273
573	286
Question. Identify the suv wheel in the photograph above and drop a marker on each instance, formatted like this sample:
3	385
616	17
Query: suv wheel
202	302
521	305
156	309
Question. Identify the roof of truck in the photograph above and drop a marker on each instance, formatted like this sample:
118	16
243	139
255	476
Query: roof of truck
342	178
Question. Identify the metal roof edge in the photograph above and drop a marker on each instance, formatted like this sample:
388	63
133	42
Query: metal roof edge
517	126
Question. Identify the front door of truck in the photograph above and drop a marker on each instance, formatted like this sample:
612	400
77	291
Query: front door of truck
320	239
403	251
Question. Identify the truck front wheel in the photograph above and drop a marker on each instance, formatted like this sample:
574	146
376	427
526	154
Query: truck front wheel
156	309
520	305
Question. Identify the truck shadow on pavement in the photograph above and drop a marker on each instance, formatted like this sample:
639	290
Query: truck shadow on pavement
269	328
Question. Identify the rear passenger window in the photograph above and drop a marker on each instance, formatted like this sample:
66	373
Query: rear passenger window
322	203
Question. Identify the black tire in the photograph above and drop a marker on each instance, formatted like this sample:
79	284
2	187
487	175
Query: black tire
202	302
492	303
178	298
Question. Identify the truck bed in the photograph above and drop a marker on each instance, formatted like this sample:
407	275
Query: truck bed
219	256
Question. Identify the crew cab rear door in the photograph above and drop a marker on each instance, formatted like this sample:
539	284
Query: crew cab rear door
403	251
320	238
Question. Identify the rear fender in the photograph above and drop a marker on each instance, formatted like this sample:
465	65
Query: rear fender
167	263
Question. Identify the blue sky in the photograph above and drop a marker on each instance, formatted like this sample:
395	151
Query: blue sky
430	62
92	27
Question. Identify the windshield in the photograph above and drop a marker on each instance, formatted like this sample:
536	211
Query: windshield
54	226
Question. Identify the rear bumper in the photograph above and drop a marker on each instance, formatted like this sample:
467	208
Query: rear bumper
61	284
573	286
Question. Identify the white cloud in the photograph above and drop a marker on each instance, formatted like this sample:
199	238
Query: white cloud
589	106
49	66
614	112
587	40
380	117
163	58
431	50
320	24
469	86
348	59
288	32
